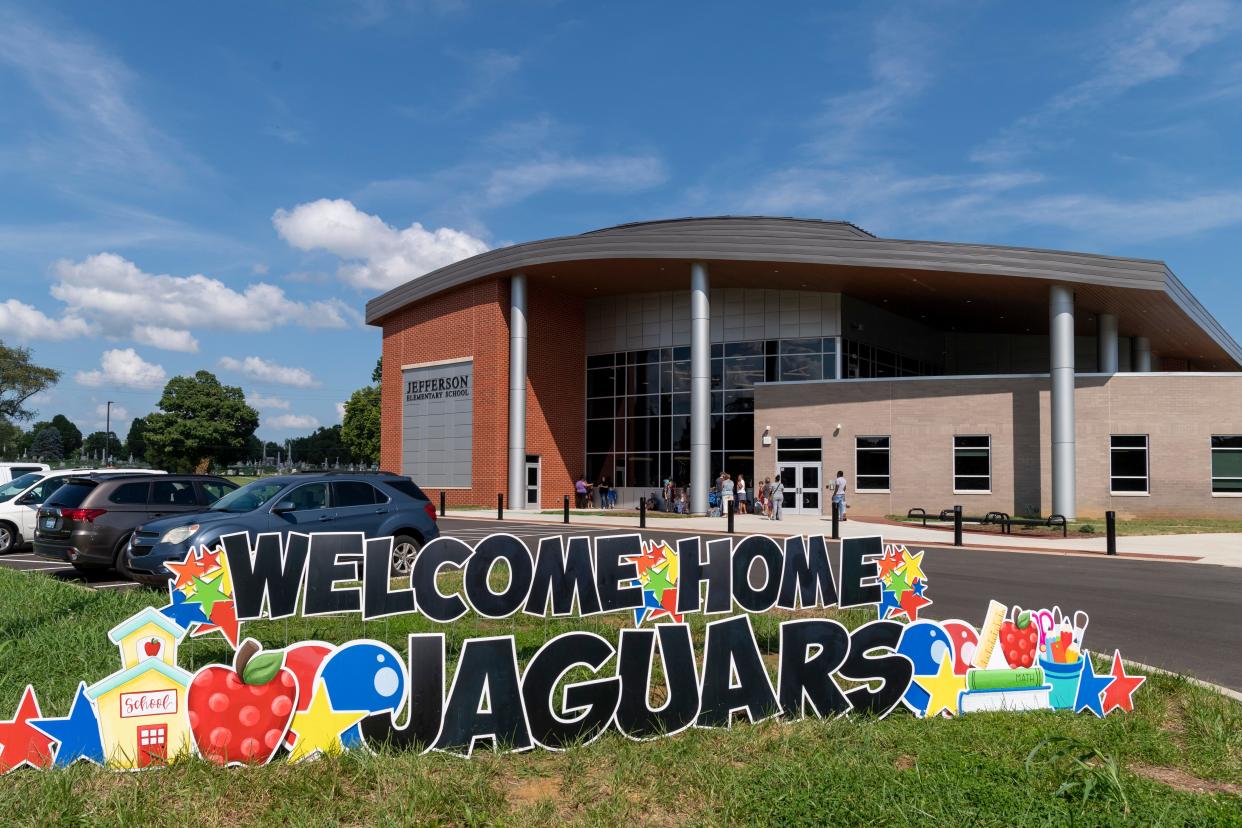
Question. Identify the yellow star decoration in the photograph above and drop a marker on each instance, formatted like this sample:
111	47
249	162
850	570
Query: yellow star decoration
943	688
319	727
913	566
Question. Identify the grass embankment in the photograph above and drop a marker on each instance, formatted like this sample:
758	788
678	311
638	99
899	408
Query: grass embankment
899	771
1092	526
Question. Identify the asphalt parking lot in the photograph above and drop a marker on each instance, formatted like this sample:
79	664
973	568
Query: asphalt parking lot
1173	616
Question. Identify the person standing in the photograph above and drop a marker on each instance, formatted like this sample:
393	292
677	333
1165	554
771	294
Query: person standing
838	493
742	495
605	491
778	495
726	493
580	489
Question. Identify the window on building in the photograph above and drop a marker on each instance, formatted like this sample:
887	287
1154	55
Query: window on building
1129	464
1227	464
871	463
972	463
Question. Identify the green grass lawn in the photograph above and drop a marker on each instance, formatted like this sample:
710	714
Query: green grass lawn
1093	526
1177	760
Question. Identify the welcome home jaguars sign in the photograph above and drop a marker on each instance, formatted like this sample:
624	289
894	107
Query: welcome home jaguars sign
313	698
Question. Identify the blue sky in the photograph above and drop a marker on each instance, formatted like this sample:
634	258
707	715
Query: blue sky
192	186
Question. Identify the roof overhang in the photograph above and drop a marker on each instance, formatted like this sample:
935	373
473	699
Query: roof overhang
964	287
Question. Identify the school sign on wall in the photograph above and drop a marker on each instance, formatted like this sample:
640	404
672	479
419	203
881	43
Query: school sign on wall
312	698
437	421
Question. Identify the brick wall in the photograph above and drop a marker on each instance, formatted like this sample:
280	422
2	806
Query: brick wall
473	321
1178	412
470	321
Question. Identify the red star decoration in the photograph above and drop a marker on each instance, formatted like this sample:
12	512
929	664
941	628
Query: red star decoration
194	564
21	744
890	561
1120	692
651	556
669	601
224	616
911	604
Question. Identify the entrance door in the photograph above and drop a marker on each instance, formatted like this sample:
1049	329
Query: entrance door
152	745
802	488
532	481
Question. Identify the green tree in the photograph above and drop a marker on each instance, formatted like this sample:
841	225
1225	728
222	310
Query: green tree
97	443
200	423
360	430
324	445
378	374
11	440
136	439
70	435
20	379
46	445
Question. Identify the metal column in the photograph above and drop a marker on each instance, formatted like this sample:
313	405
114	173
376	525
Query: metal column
1107	343
700	388
1141	354
517	391
1061	346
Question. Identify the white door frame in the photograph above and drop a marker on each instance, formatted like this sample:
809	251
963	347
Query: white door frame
799	491
537	465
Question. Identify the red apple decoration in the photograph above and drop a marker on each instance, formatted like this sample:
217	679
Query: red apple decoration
1019	639
241	715
151	647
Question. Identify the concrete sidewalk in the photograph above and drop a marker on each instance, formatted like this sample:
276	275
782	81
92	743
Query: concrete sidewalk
1224	549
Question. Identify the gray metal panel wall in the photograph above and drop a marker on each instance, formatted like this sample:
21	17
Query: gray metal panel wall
437	426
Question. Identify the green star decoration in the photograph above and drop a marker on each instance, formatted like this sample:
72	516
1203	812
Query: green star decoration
657	582
898	584
208	593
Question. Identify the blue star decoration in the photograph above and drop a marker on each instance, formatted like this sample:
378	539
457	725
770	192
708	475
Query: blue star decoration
919	586
888	600
184	612
77	733
1090	686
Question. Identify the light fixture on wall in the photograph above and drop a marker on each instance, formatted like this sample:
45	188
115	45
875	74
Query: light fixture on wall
767	435
836	432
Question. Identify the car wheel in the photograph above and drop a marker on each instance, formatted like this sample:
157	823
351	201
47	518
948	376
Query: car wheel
404	551
123	570
8	538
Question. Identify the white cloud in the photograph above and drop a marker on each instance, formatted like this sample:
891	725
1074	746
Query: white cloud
170	339
115	294
1152	42
266	371
25	322
88	91
292	421
607	174
260	401
259	269
379	256
340	412
123	367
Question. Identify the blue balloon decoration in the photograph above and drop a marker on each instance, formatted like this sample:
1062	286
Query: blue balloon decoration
364	675
926	644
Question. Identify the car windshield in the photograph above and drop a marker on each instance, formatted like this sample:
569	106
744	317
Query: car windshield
248	497
18	485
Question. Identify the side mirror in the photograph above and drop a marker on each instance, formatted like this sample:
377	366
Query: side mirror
282	507
25	500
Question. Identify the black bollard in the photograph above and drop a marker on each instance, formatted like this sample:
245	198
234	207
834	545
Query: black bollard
565	510
836	520
441	504
1110	529
730	516
642	513
957	525
500	506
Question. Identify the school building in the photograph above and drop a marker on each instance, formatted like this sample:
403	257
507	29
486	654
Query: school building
932	373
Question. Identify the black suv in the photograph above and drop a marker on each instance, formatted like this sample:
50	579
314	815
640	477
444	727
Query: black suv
88	521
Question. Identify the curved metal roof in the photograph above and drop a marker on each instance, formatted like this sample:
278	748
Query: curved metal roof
831	244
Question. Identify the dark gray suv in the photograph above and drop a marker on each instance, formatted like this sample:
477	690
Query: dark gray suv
89	520
377	504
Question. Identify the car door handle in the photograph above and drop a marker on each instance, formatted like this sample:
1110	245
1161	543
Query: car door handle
381	511
324	518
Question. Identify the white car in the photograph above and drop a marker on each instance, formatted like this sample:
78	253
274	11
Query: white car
12	471
20	499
